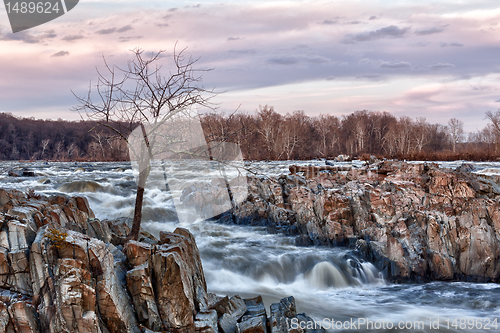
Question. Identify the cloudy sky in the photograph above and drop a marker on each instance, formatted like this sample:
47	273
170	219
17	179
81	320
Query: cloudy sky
436	59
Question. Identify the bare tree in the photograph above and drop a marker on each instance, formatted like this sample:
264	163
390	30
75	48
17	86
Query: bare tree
494	117
328	128
419	134
140	95
268	128
45	144
456	131
73	151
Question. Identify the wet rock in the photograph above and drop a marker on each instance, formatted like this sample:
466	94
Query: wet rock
4	317
98	229
232	312
255	307
58	273
22	172
174	290
83	205
280	314
252	325
465	167
255	318
182	242
420	222
206	322
140	287
119	228
87	266
81	186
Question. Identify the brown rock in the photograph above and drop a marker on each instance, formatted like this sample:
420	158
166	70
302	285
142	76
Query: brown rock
24	317
233	311
141	289
174	290
206	322
137	253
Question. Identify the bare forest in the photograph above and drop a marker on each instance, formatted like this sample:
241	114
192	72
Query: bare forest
267	135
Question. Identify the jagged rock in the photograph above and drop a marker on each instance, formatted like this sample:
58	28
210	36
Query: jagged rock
252	325
213	299
99	230
137	253
182	242
219	304
255	307
90	277
21	172
24	317
232	312
280	313
4	317
420	222
83	205
206	322
119	228
140	287
255	318
174	290
58	273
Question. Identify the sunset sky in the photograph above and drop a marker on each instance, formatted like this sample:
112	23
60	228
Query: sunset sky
434	59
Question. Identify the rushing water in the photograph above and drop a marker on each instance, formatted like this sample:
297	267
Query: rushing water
326	282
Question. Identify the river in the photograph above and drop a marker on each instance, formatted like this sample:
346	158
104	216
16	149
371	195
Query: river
329	284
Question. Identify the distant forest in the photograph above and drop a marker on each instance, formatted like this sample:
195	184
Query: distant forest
267	135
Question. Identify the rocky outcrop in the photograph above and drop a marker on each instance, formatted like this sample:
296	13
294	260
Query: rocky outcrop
413	221
63	270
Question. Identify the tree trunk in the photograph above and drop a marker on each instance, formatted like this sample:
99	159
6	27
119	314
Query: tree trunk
144	167
136	223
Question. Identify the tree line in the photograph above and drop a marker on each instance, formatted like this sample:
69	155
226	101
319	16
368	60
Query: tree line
267	135
57	140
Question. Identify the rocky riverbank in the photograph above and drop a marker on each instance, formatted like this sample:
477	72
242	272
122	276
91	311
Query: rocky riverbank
63	270
415	222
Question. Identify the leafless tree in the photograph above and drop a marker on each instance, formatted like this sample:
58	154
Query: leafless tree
268	128
494	117
419	134
45	144
143	94
456	131
73	151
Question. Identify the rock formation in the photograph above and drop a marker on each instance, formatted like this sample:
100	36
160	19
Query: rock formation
415	222
63	270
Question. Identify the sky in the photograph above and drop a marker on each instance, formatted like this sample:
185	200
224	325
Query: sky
434	59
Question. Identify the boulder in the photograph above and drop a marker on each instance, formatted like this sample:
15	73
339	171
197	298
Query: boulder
140	287
174	290
232	312
252	325
206	322
280	315
418	222
82	280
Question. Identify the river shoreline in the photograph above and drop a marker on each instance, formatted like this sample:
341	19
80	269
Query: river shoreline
246	260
